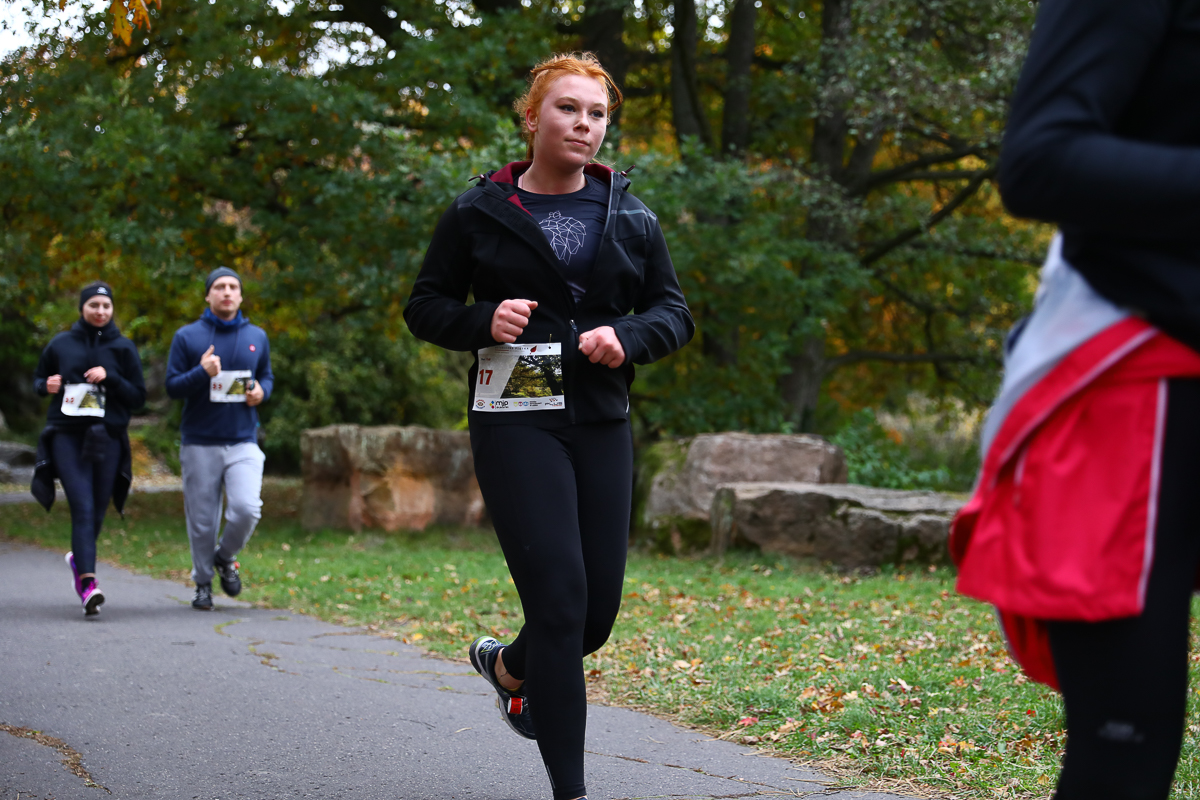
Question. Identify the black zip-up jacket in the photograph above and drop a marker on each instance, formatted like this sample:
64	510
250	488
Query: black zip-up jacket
1104	139
75	351
71	354
488	245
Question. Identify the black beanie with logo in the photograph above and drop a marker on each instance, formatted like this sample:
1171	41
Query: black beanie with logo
92	289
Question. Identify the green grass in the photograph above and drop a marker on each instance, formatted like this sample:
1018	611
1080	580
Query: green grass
891	679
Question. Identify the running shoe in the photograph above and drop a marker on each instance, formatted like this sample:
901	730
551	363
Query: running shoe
514	709
71	563
203	599
92	597
227	571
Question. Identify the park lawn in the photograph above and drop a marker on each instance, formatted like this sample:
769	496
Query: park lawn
890	679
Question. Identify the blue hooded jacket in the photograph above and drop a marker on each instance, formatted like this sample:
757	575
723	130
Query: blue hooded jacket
240	345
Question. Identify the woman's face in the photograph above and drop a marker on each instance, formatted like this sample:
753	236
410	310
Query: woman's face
569	127
97	311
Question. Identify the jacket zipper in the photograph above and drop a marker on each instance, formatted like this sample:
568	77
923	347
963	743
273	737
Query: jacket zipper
612	188
571	307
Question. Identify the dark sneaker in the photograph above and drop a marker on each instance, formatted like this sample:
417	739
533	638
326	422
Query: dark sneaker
203	599
92	597
227	571
514	709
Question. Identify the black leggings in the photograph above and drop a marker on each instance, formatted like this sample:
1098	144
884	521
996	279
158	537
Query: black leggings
1125	681
88	486
560	501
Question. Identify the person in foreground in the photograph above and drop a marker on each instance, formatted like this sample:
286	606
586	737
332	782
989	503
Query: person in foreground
220	366
1083	526
94	377
556	252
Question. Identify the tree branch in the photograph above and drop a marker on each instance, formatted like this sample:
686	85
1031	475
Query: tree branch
855	356
946	210
973	253
942	175
901	173
922	305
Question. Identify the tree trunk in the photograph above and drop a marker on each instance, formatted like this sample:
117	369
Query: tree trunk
801	387
829	129
687	114
739	54
721	352
603	27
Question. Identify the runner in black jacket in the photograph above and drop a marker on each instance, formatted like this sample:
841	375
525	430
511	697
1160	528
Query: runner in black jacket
1104	140
94	375
556	253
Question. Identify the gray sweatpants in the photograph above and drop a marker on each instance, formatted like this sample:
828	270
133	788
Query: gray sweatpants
207	469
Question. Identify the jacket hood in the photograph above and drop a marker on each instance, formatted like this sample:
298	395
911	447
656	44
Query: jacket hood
505	178
213	320
510	172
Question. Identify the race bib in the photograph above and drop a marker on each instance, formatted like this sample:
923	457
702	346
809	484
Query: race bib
83	400
230	385
520	377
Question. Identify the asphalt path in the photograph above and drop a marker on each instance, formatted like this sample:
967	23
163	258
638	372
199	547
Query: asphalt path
152	699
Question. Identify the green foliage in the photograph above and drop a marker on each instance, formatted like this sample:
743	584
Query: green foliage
876	456
162	440
226	135
370	374
735	233
150	167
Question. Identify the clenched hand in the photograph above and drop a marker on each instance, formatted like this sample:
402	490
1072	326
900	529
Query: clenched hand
511	318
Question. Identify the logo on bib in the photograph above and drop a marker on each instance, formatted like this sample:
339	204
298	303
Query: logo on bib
251	348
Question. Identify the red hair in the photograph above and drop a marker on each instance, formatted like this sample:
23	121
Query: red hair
543	76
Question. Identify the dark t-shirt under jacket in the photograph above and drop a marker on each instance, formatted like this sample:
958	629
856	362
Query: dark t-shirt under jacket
573	224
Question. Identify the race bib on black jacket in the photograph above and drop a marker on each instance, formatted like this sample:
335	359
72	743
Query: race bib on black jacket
489	247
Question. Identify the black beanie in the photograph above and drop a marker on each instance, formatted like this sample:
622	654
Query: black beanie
92	289
219	272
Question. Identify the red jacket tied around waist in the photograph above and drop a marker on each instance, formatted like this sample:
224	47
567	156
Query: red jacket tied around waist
1061	523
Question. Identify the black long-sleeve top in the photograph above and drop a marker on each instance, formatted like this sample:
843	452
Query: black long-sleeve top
73	352
487	245
1104	139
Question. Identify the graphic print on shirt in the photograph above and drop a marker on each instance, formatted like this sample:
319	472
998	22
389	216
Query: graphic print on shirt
566	235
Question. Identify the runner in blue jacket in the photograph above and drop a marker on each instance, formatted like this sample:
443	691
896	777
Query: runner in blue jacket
220	366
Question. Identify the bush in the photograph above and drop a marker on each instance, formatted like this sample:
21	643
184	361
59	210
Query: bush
918	452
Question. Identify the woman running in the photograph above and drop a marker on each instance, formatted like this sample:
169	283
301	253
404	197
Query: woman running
1083	529
94	376
556	253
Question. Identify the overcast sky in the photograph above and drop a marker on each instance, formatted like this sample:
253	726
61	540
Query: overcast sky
16	14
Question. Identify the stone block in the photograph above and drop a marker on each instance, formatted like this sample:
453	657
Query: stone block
688	472
16	462
388	477
846	525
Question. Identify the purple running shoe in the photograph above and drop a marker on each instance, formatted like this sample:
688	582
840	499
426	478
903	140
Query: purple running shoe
92	598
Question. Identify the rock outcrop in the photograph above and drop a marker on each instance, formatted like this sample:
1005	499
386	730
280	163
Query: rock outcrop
687	474
849	526
16	462
388	477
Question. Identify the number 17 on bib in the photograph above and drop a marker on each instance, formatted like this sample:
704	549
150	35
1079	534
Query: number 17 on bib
520	377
